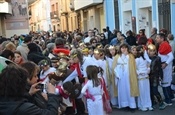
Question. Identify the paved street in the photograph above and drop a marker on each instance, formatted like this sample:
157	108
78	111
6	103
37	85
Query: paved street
167	111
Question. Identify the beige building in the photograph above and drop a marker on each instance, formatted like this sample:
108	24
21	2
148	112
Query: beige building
68	17
55	14
91	14
13	17
39	13
5	8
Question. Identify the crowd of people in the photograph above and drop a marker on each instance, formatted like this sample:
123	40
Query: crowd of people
67	73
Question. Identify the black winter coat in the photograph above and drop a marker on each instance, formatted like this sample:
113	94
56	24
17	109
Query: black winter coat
131	40
22	107
36	57
36	99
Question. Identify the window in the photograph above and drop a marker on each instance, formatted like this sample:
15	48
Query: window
56	6
164	14
116	12
53	7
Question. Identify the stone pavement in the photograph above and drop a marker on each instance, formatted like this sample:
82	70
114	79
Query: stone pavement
169	110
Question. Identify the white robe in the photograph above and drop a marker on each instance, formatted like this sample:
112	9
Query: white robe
144	99
167	72
87	61
44	75
94	107
122	76
114	100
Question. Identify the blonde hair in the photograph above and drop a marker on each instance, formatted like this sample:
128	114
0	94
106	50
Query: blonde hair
77	53
10	46
133	47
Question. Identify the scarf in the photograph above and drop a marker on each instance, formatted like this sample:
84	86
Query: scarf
78	70
62	92
164	48
108	75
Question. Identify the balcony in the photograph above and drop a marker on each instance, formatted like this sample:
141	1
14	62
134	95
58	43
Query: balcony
5	7
80	4
54	15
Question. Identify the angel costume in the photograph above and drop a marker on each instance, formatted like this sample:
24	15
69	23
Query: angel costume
144	100
124	75
95	106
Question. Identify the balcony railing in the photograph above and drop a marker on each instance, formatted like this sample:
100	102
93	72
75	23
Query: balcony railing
54	15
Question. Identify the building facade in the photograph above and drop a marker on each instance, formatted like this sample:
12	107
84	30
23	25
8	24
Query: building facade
55	14
40	19
13	17
111	14
5	8
68	16
146	14
91	14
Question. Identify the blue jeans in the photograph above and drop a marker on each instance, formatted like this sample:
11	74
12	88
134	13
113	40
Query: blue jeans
168	94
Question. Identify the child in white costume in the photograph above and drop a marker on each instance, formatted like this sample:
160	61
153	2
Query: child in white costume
143	69
124	70
93	91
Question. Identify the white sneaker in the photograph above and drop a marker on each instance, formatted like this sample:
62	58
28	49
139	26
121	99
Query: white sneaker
168	104
143	109
173	99
150	109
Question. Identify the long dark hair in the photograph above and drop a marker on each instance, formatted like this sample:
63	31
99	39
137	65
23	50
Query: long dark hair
13	80
121	46
140	52
31	67
107	52
92	74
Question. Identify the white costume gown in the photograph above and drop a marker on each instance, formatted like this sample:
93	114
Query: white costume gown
167	72
114	100
44	75
87	61
123	82
144	99
94	107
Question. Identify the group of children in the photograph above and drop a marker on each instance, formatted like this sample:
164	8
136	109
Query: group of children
132	73
122	76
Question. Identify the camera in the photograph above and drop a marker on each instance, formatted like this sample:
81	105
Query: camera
41	86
